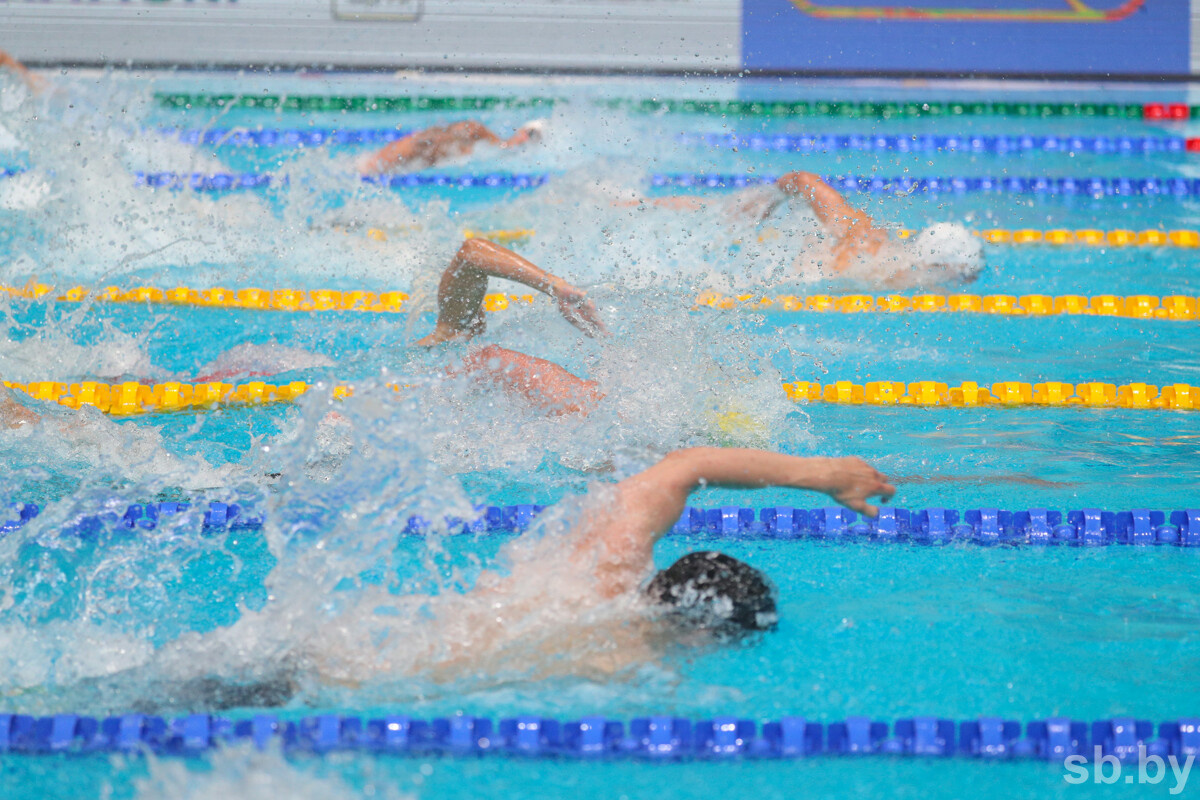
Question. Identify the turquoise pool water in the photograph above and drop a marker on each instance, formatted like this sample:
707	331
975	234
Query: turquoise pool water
886	632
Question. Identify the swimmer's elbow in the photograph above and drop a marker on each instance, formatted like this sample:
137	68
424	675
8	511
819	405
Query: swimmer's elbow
473	249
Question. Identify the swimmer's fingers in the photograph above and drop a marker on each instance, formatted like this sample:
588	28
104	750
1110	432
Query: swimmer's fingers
861	506
580	312
592	324
858	481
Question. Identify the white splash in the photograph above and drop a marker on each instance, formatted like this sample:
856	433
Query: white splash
246	773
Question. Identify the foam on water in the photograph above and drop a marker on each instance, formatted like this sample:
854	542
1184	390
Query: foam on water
341	606
85	448
247	773
310	232
91	223
42	342
253	360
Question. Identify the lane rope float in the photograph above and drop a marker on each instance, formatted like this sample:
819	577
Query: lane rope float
140	517
1091	237
286	137
775	108
1171	307
780	142
1036	185
1052	186
1177	308
239	181
1095	187
1007	393
132	397
1089	527
925	143
1117	237
655	738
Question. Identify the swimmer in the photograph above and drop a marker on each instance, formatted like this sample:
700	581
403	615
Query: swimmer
945	248
461	317
851	243
583	601
437	144
597	581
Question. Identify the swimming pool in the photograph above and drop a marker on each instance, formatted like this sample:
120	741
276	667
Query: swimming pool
882	631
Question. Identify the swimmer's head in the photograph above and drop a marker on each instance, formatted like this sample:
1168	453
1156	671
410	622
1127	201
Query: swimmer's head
713	592
531	132
950	247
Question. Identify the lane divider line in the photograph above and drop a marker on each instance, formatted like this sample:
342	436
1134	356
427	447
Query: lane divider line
1178	308
1171	307
773	108
1006	393
131	397
983	526
1083	186
759	142
302	137
653	738
1091	237
926	143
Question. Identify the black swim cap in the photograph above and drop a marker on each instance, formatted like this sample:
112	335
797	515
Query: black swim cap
713	591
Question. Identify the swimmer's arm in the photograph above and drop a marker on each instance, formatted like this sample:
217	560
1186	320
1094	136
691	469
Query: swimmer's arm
34	82
389	156
841	219
407	148
464	285
649	503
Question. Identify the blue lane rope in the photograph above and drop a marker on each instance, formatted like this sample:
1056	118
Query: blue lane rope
287	137
998	145
649	738
1081	187
781	142
1085	527
233	181
139	516
1094	187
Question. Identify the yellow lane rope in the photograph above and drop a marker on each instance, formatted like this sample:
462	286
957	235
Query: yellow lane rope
1092	237
1177	396
1169	307
1172	307
510	236
137	398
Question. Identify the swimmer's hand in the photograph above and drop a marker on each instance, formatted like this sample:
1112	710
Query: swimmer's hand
851	481
577	309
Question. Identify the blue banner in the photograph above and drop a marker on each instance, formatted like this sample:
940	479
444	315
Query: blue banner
1122	37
